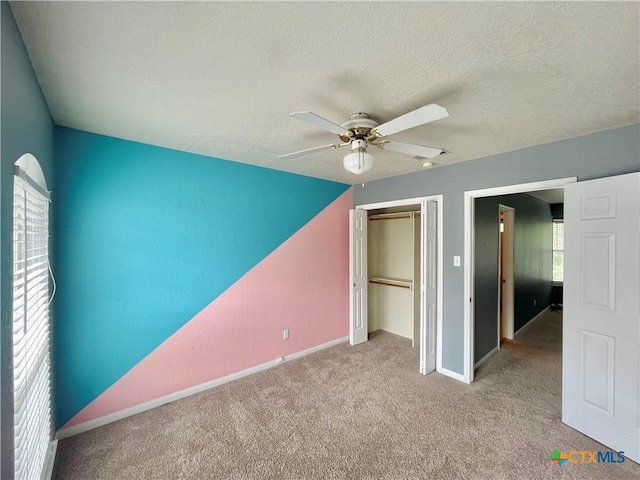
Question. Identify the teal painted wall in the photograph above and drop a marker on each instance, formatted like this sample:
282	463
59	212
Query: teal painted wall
148	237
26	127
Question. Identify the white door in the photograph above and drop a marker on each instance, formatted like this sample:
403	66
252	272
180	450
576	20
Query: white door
430	286
601	313
358	330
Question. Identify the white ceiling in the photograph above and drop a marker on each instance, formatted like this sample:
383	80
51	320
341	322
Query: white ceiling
221	78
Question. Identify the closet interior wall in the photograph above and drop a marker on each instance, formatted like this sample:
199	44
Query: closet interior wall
394	273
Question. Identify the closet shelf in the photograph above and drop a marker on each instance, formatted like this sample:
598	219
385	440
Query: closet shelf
392	282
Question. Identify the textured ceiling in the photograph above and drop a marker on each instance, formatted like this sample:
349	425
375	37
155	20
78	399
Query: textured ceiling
221	78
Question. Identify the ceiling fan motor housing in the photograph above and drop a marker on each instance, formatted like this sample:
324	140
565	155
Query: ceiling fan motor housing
359	126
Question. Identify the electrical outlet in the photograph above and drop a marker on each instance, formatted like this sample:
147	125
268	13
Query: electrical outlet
456	261
285	334
535	302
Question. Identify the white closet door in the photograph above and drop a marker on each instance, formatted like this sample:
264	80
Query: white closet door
430	286
601	332
417	280
358	330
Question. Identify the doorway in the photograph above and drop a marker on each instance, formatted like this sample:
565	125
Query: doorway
428	279
393	256
469	255
600	304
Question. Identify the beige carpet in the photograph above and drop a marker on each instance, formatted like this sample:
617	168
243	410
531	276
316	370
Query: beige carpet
356	413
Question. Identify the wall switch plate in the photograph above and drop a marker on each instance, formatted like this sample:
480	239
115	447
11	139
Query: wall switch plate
285	333
456	261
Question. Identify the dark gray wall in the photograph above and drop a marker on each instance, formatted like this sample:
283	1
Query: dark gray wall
26	127
532	264
613	152
557	210
486	276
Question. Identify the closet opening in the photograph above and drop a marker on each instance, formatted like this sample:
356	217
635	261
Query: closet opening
396	271
393	257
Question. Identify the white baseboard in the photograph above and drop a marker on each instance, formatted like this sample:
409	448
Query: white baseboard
484	359
47	470
127	412
452	374
528	324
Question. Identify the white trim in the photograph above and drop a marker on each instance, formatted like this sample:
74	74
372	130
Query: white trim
509	237
484	359
469	197
49	461
500	268
528	324
422	201
394	203
439	283
452	374
127	412
30	165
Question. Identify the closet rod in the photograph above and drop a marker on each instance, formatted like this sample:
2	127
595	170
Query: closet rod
391	283
393	216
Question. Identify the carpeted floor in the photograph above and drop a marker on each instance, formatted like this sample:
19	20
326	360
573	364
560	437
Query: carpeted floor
356	413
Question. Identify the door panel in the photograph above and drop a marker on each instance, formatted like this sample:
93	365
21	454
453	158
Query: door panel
596	370
598	270
601	328
358	330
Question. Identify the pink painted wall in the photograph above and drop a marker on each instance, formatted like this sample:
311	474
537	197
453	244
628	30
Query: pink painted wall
302	285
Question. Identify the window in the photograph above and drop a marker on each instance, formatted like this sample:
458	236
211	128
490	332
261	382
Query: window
30	316
558	250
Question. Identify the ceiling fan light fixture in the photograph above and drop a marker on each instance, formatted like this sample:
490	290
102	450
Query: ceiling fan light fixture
360	131
358	161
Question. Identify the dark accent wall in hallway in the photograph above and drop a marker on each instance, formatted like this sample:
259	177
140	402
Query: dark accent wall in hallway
557	210
532	264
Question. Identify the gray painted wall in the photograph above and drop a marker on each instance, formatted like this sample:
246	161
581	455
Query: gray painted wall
532	270
26	127
613	152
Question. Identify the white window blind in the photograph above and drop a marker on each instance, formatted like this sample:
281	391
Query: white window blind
31	364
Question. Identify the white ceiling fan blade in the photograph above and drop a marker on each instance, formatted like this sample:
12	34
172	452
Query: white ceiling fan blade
306	152
426	114
414	150
319	122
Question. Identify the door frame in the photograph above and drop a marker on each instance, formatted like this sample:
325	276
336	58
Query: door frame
469	217
506	326
422	201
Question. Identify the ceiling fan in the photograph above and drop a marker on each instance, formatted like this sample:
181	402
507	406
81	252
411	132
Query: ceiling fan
360	131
